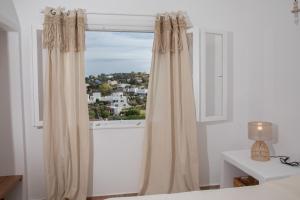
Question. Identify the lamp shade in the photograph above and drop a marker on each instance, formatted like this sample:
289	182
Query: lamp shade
260	131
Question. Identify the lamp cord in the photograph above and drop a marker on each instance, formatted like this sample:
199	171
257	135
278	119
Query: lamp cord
284	160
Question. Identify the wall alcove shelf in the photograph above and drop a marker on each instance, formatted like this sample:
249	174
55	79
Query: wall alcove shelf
8	183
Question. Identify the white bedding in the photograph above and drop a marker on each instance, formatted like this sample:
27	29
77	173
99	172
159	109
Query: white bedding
284	189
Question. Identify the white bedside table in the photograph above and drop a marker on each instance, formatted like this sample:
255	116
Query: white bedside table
239	163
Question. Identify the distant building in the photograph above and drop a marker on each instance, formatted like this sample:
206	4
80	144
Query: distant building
117	102
97	96
142	92
94	97
112	82
133	90
97	81
123	85
138	91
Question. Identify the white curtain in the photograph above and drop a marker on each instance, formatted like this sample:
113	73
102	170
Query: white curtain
66	131
171	151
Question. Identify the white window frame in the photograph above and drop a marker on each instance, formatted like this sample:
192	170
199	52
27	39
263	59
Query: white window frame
108	23
199	78
141	24
35	80
203	66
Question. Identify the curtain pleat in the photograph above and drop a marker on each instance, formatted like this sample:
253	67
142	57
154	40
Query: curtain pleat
170	161
66	123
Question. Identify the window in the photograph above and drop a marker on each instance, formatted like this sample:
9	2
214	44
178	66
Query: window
135	27
38	72
210	56
117	70
117	74
120	59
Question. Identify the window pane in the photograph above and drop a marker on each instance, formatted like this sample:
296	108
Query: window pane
117	74
214	74
40	72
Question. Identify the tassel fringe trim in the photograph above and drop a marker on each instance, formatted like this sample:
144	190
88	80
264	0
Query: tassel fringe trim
64	30
168	31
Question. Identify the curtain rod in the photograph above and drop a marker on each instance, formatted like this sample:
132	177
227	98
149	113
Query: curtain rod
119	14
128	14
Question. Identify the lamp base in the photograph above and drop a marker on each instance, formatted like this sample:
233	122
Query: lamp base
260	151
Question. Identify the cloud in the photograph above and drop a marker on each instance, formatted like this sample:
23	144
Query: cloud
109	52
119	39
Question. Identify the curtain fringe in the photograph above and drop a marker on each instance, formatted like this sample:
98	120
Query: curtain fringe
64	30
168	27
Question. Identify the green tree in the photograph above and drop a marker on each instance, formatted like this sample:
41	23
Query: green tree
132	111
104	113
105	89
92	114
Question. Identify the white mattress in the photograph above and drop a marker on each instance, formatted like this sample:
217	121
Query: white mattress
284	189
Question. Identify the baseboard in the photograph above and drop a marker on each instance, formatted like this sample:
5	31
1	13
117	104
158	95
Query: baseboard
209	187
39	199
204	187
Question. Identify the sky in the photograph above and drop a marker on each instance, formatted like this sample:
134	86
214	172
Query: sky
112	52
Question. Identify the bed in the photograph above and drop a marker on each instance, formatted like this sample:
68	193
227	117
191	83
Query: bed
283	189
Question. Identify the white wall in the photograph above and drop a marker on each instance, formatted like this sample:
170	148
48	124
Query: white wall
281	79
8	16
11	106
117	161
263	81
11	109
6	141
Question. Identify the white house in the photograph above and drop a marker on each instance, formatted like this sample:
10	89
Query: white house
118	102
139	80
138	91
112	82
94	97
142	92
97	95
133	90
123	85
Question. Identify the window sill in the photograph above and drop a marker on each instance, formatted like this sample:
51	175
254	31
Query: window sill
117	124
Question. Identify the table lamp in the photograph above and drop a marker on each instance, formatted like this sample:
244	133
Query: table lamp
260	132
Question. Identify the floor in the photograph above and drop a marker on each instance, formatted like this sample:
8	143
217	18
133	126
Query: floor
212	187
